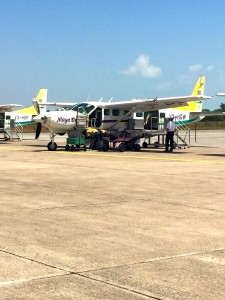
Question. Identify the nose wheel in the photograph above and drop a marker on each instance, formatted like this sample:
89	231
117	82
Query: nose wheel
52	146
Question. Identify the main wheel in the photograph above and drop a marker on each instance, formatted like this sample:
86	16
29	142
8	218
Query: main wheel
52	146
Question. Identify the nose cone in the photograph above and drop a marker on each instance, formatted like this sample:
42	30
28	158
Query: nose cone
38	119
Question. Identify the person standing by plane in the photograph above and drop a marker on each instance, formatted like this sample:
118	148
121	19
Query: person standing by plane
170	129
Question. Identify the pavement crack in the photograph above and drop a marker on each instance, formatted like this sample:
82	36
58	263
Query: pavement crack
155	260
130	290
70	273
33	260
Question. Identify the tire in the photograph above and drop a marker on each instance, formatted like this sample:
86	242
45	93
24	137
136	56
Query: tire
67	147
72	148
52	146
145	145
137	147
100	145
156	144
121	147
129	146
105	146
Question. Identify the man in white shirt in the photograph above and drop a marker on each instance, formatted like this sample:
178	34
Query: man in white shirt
170	129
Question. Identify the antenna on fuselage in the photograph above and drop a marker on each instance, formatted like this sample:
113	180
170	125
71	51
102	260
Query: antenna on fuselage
110	100
100	100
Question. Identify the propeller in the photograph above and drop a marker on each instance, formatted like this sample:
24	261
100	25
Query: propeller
39	126
36	106
38	130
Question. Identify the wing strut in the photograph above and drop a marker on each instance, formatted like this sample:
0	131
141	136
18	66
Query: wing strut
119	120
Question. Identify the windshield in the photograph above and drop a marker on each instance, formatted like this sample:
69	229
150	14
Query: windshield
84	108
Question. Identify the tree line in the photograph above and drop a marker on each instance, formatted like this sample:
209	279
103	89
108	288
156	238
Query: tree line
215	118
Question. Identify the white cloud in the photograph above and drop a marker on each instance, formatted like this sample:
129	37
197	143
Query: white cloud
142	67
195	68
209	68
199	67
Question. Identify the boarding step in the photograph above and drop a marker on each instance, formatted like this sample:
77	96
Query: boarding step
15	133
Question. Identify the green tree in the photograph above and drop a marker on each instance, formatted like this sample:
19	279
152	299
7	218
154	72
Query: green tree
215	118
222	106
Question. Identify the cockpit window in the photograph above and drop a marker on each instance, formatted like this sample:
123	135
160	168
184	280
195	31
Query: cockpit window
83	108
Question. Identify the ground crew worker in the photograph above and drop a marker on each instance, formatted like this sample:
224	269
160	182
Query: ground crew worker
170	129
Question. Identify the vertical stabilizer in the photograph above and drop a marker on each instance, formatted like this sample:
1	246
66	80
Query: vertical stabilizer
197	91
199	87
42	97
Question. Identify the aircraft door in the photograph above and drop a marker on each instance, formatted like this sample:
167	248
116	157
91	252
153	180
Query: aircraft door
151	120
2	120
82	117
95	118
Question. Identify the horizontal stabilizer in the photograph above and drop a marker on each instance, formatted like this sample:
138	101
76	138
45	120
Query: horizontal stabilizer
208	113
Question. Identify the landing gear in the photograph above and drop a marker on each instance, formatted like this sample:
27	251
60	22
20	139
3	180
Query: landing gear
52	146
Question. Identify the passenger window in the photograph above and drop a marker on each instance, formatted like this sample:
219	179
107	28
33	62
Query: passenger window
106	112
115	112
139	114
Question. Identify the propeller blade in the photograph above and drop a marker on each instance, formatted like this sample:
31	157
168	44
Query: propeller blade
38	130
36	106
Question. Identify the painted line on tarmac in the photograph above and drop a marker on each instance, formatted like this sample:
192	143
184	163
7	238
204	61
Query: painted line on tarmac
105	154
144	157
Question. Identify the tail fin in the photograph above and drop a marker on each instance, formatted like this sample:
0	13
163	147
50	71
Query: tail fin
197	91
42	97
199	87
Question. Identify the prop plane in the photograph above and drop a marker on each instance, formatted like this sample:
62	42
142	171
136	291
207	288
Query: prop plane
22	116
25	115
116	115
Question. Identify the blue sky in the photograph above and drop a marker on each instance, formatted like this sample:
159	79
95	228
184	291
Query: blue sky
88	49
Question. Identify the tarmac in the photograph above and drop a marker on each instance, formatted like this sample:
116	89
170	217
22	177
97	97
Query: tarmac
112	225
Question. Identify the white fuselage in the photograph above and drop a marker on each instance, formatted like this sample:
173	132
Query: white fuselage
58	121
70	120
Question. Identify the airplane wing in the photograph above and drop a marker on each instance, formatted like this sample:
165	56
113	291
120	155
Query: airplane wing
208	113
8	107
139	105
61	104
153	104
220	94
